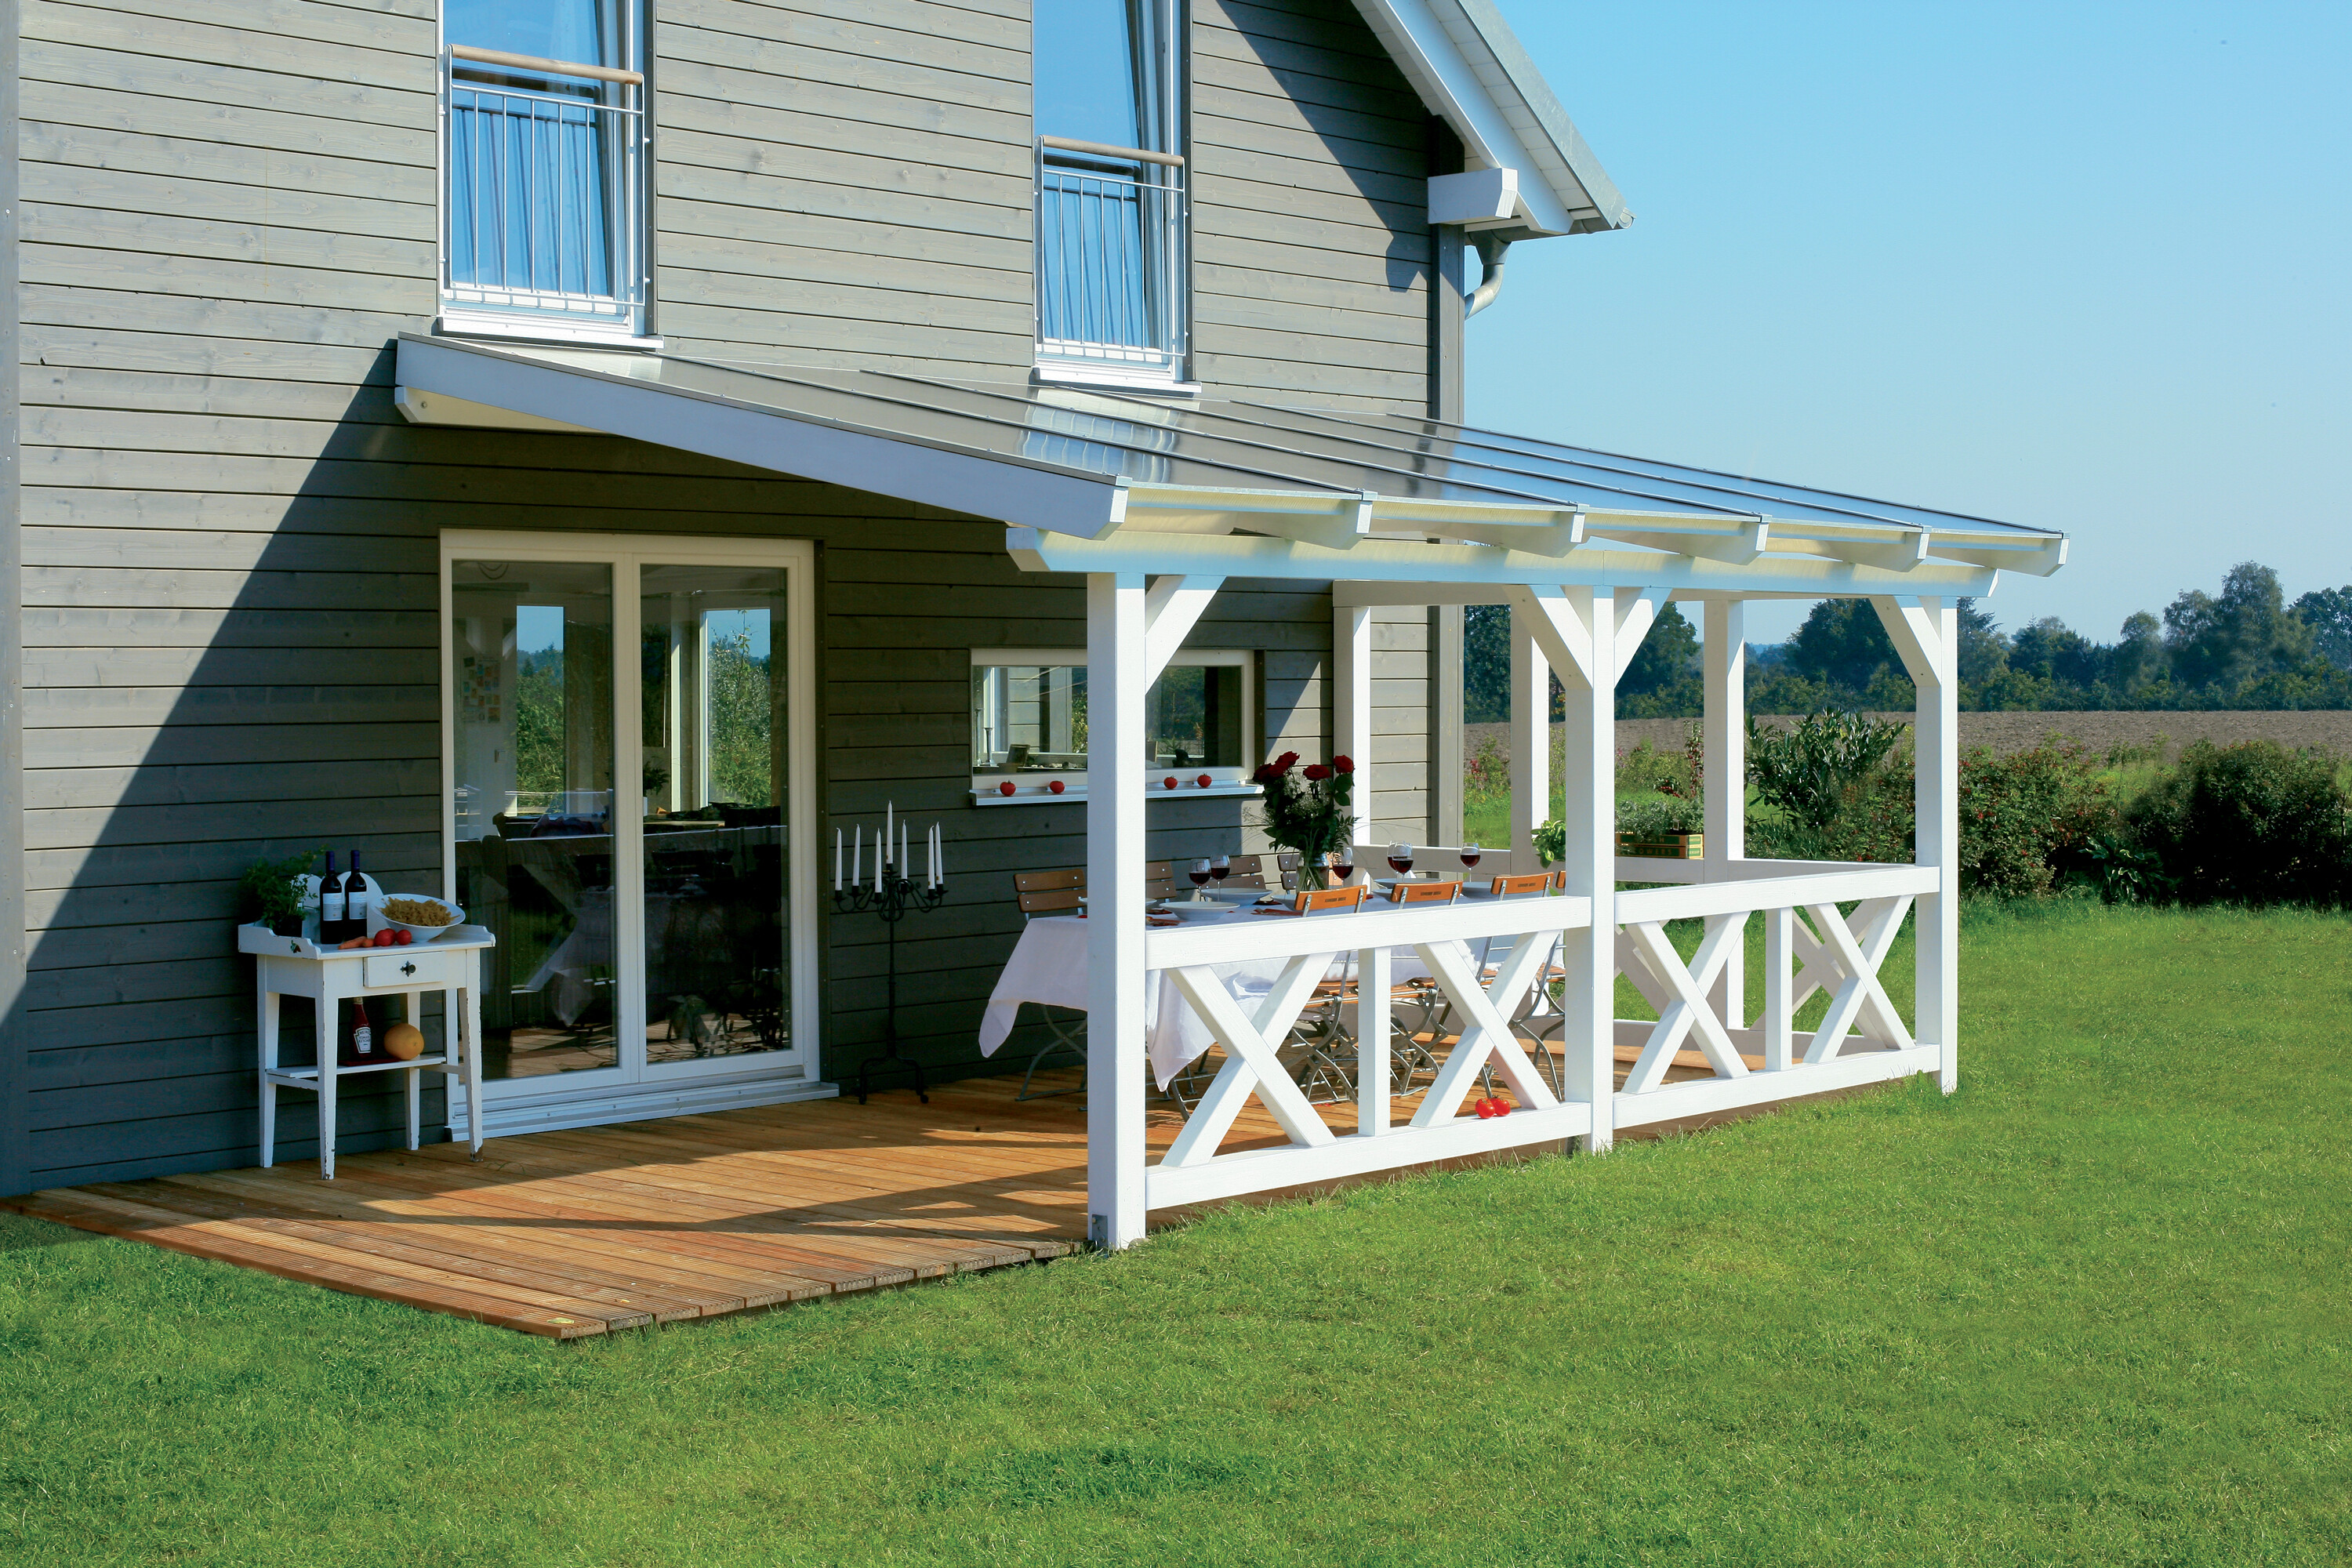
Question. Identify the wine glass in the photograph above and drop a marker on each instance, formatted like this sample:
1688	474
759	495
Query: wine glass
1199	873
1401	859
1470	853
1221	866
1343	865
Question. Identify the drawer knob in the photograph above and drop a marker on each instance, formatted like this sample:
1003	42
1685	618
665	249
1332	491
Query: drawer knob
408	969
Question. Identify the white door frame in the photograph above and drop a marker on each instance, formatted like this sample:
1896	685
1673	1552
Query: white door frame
631	1090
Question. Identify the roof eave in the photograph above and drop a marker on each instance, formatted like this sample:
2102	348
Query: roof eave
1470	69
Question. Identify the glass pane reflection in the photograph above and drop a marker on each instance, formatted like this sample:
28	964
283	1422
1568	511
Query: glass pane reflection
532	649
718	971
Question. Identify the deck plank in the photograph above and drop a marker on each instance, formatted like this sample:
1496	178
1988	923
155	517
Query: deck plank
583	1231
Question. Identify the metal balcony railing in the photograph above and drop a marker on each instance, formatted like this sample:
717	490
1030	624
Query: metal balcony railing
545	186
1112	235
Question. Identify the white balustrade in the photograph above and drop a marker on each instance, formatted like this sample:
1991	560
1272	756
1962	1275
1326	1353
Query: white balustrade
1809	946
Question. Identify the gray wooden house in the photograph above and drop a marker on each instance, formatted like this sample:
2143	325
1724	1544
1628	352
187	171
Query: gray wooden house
448	429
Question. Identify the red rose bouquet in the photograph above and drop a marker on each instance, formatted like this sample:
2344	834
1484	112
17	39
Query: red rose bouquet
1306	809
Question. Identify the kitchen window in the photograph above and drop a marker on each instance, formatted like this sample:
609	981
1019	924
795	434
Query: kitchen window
1029	725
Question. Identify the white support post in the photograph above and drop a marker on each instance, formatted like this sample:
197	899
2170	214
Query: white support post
1926	632
1530	735
1588	1030
1375	974
1724	732
1115	683
1352	705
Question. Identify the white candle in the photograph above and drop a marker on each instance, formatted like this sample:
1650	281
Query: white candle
836	860
931	857
905	865
878	846
889	814
858	858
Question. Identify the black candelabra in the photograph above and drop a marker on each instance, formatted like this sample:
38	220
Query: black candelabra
891	895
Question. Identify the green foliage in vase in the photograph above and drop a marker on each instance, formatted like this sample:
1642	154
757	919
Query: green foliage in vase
269	894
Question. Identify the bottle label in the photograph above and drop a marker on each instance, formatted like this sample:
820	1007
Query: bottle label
363	1041
331	904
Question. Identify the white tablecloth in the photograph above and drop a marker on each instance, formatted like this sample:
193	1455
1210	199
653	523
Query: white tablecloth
1049	965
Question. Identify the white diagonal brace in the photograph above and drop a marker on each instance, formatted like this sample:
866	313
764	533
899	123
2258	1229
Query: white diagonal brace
1689	1013
1634	966
1914	633
1560	632
1873	924
1636	612
1489	1034
1862	988
1171	606
1251	1041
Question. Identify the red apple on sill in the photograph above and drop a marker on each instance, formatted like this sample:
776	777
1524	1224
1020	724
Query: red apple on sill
1005	788
1202	781
1168	783
1055	785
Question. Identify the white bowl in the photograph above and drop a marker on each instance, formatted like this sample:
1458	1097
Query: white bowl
421	933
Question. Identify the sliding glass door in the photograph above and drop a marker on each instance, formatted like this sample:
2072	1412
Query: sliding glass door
629	789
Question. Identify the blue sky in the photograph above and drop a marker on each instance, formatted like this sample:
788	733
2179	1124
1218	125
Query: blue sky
2082	266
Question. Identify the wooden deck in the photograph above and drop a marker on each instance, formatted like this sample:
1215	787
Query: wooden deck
578	1233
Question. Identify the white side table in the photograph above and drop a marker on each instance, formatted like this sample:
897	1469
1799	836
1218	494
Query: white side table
296	966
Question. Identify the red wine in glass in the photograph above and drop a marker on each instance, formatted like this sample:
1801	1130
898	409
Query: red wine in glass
1470	853
1401	859
1343	866
1221	867
1199	873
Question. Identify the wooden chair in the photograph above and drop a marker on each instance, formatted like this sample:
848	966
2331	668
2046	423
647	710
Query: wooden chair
1532	882
1424	892
1325	900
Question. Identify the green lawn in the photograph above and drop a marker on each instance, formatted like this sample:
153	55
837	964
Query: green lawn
2092	1309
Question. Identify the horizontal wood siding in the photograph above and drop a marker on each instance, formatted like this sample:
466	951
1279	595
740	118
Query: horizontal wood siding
1311	208
230	581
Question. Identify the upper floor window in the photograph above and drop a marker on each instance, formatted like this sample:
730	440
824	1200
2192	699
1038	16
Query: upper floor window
1112	225
543	144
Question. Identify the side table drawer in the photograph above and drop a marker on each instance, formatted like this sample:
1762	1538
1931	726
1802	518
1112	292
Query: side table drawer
407	966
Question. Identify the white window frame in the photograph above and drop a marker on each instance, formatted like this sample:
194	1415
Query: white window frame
1228	781
634	1089
481	312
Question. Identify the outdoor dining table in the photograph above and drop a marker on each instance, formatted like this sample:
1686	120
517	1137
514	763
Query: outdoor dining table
1049	966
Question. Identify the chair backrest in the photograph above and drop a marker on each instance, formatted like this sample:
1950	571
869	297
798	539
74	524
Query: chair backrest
1049	892
1316	902
1246	880
1533	882
1246	865
1424	892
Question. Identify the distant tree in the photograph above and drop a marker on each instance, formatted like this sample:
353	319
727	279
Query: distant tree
1984	652
1843	645
2049	649
2329	613
2137	660
2239	637
1486	663
1667	658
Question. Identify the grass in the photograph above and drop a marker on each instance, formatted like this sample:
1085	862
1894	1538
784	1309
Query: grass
2090	1309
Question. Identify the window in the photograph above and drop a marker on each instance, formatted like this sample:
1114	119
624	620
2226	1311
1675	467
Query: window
1029	723
1112	225
543	150
630	778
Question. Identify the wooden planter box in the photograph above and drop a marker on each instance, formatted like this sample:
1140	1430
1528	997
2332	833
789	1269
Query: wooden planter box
1671	847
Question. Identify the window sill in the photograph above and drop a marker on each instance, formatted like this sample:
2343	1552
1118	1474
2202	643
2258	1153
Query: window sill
532	329
1121	378
1038	794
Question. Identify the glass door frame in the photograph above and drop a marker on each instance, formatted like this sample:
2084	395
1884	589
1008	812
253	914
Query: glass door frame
611	1088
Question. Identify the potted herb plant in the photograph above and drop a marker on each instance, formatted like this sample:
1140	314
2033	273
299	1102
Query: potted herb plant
270	893
1306	810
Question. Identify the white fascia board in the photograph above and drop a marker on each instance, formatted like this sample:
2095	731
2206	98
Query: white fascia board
1468	68
616	403
1431	568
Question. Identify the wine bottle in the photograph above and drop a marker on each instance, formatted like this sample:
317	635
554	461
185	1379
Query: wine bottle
355	900
362	1036
331	904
